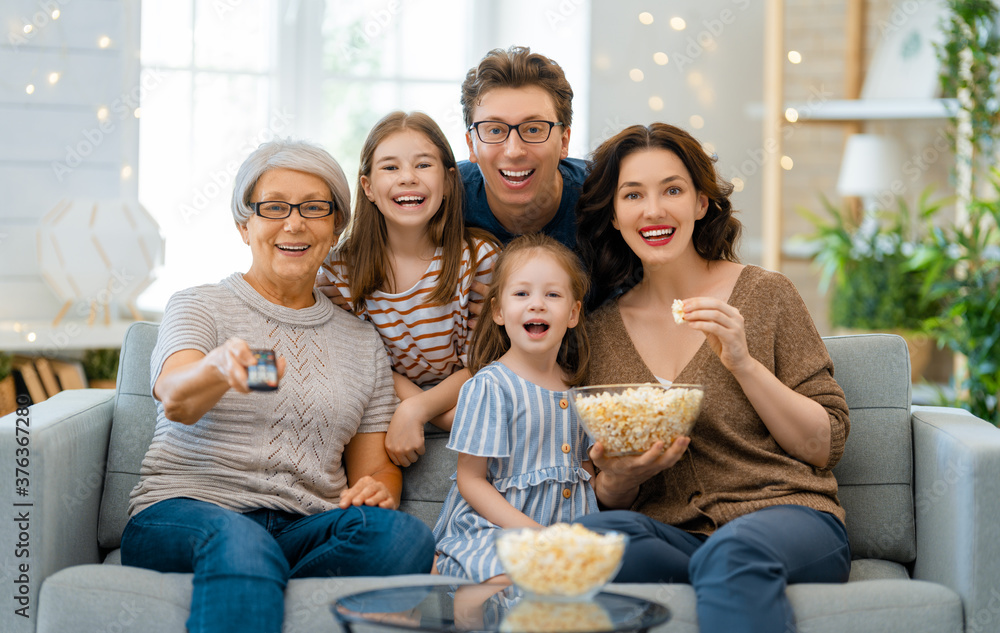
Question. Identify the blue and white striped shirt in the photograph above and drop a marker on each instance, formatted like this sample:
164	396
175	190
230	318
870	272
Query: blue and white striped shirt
536	446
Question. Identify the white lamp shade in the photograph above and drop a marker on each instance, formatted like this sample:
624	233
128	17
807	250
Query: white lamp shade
871	165
103	251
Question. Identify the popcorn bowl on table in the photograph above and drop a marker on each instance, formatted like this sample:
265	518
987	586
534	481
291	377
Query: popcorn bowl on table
628	419
562	562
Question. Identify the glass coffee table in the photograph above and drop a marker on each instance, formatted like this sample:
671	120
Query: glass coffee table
489	608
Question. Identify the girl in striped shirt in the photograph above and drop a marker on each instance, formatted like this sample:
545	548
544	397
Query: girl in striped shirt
522	453
407	265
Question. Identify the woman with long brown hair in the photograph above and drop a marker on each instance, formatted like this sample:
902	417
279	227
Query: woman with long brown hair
748	503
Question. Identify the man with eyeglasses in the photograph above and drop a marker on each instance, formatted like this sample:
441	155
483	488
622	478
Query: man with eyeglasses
518	112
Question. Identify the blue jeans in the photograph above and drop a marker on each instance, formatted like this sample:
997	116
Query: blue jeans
740	572
242	562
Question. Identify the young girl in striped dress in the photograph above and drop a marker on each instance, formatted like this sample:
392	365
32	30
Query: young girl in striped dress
522	453
407	265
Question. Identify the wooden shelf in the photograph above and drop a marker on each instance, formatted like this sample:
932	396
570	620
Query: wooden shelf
15	336
867	110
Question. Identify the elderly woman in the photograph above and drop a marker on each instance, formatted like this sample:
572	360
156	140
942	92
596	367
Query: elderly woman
247	489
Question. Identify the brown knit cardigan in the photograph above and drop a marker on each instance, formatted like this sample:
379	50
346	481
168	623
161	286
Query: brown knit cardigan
733	465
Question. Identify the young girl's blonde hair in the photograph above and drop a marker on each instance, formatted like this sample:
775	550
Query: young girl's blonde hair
365	248
490	341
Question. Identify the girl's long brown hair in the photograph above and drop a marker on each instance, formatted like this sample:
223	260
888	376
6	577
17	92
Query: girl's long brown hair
490	340
365	251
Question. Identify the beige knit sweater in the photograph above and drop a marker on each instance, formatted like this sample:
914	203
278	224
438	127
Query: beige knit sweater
733	465
280	449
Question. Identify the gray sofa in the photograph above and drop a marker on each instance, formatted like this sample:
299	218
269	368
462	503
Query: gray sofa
921	487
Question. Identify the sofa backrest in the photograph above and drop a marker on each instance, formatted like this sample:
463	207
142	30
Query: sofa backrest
875	474
131	431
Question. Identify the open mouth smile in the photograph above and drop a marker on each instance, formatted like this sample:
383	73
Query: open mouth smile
657	234
409	202
516	177
536	329
290	248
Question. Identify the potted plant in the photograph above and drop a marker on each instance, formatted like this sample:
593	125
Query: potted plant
962	261
8	394
868	266
101	367
961	267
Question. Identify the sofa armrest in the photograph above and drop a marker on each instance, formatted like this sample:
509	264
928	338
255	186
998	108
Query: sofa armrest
67	441
957	502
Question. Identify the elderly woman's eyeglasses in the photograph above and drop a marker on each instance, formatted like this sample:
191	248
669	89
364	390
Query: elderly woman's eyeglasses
498	131
310	209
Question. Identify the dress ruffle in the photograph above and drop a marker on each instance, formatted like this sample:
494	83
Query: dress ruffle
553	474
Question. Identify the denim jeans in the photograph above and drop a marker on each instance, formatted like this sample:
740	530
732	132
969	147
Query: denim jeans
242	562
740	572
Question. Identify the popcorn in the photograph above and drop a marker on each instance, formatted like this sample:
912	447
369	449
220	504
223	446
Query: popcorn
630	420
562	560
677	308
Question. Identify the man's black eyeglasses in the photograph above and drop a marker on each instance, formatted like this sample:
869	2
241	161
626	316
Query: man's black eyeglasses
498	131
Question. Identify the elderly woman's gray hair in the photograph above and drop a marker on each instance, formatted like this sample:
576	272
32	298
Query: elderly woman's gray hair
300	156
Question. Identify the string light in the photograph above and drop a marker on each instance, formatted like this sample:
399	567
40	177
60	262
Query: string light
104	42
53	78
660	58
646	17
738	184
697	122
31	337
56	13
678	23
791	115
102	113
655	104
126	172
795	57
635	74
28	29
30	89
787	163
137	112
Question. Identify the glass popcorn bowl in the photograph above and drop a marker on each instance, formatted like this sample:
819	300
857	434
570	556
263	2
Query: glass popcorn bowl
562	562
629	418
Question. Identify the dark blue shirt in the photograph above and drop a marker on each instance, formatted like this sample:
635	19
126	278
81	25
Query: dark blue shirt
562	227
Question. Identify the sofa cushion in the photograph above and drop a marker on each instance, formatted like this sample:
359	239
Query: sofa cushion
873	606
426	483
115	598
131	431
109	597
875	475
875	569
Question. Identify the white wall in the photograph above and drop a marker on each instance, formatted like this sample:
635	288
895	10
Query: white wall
53	145
714	70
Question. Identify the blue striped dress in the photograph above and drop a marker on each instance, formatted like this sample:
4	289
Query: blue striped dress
536	446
